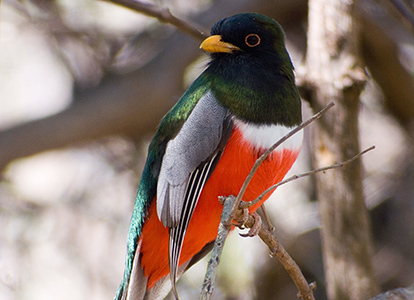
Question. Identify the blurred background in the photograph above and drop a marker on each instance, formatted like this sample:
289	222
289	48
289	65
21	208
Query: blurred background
83	85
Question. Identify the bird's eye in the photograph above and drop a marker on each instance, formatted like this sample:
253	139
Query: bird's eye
252	40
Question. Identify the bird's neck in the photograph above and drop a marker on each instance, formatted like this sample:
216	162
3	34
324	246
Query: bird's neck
255	90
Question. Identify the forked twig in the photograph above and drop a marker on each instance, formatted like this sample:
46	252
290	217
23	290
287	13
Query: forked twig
246	204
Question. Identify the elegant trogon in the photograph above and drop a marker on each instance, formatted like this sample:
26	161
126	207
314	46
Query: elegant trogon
244	101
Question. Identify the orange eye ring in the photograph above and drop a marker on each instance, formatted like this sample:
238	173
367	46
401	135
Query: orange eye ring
255	42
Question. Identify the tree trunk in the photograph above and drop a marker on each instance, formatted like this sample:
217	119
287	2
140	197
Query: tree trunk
334	74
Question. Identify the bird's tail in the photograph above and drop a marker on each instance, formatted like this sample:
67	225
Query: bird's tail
135	287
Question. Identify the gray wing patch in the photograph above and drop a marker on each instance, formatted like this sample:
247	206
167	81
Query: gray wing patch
197	142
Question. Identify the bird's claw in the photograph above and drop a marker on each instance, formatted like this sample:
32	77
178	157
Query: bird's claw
254	230
244	219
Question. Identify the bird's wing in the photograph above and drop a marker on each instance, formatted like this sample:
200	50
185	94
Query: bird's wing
189	156
172	123
189	159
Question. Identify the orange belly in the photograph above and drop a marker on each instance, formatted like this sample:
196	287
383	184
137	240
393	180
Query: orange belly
227	179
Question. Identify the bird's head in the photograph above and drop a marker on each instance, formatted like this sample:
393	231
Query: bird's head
250	71
246	34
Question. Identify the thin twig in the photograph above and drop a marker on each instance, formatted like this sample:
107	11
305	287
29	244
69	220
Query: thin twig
164	15
267	219
270	150
246	204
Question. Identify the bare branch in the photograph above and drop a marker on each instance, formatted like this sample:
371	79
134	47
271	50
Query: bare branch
164	15
270	227
246	204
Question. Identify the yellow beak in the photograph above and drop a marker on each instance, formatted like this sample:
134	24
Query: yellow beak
215	43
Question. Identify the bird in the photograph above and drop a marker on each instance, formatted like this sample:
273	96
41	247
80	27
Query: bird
244	101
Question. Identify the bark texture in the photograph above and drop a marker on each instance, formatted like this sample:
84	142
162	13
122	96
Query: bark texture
334	73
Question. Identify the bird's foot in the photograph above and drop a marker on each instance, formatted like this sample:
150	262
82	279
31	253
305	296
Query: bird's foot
244	219
254	230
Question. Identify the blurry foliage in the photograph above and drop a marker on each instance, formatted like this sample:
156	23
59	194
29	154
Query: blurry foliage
65	213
